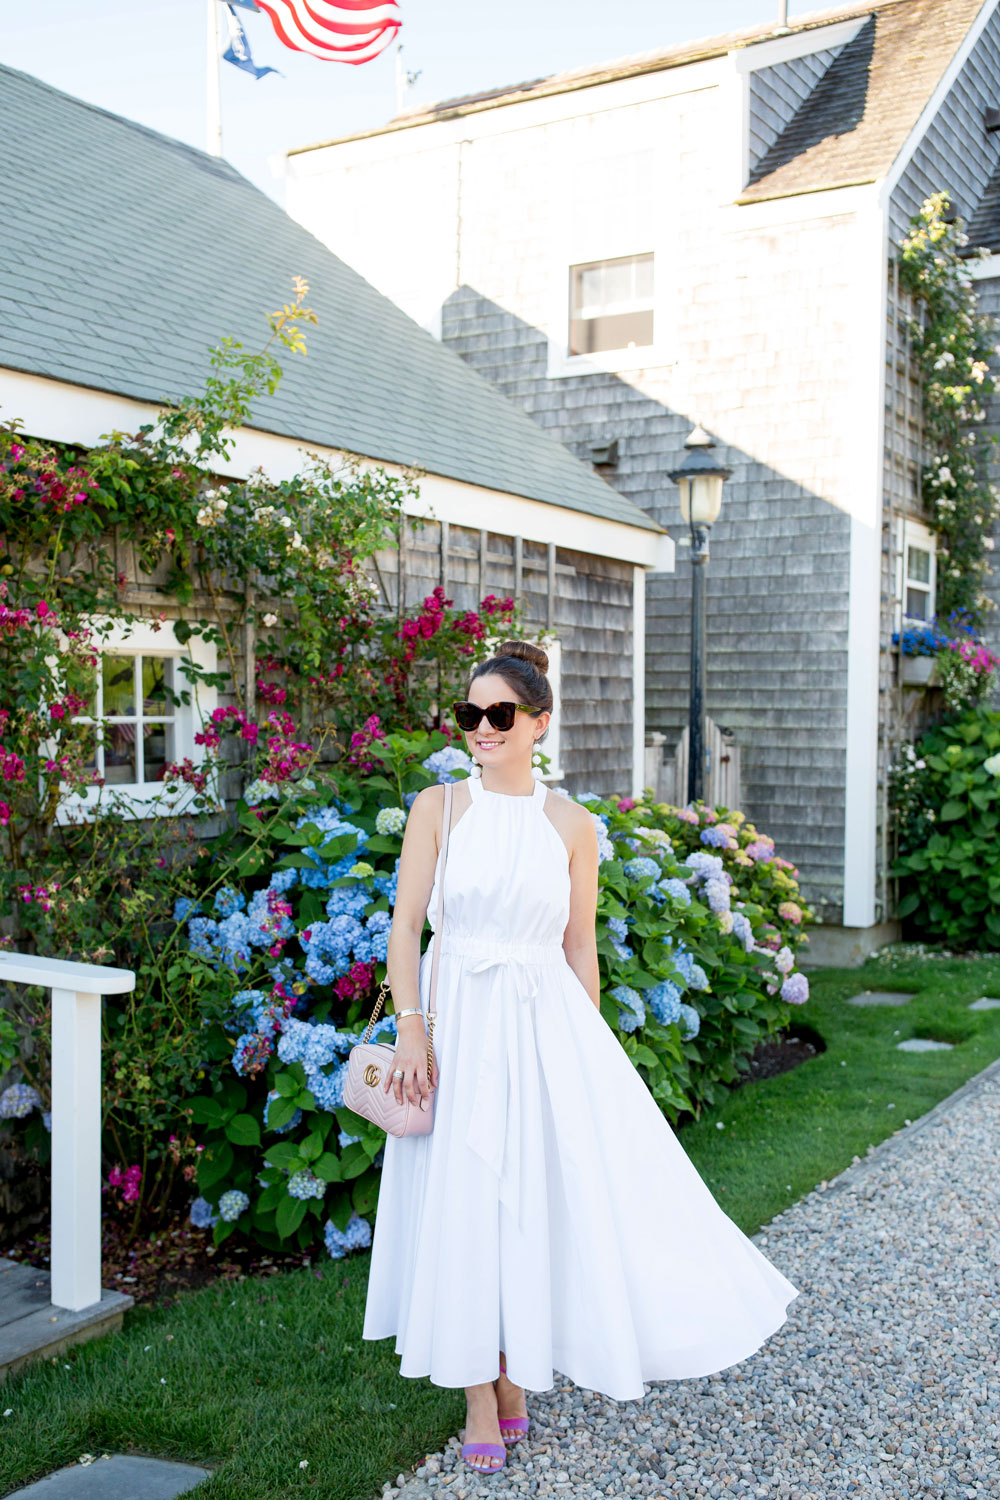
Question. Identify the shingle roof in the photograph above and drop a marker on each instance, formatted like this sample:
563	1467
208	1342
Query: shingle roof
125	254
611	72
849	131
857	119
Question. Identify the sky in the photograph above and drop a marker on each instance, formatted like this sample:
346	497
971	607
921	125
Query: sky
147	59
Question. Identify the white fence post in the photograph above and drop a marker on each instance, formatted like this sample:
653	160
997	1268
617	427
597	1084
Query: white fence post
76	1115
76	1149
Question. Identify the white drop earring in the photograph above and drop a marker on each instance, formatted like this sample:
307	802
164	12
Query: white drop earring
477	769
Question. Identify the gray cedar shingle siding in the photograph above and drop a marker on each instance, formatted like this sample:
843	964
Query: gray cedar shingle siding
884	78
956	153
130	253
778	93
592	617
777	601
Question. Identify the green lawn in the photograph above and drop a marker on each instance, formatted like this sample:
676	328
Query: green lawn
261	1375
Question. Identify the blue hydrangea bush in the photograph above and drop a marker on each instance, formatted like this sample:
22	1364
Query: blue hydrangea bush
699	922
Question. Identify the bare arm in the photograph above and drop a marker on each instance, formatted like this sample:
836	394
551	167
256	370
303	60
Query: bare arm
580	937
417	860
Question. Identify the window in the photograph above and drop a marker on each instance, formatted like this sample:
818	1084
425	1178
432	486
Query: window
611	304
134	718
916	572
146	712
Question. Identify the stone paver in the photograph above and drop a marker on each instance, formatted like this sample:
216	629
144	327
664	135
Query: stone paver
923	1044
881	997
883	1383
123	1476
985	1003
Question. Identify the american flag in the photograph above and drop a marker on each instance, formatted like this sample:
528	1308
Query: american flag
350	31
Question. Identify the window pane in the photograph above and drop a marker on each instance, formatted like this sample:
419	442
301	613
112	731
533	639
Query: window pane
157	676
590	286
917	601
918	564
616	331
119	683
618	281
157	749
603	283
81	738
119	753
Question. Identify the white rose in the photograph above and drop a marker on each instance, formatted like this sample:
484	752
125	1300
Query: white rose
270	620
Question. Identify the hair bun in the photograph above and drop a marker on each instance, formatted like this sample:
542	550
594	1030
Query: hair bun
527	651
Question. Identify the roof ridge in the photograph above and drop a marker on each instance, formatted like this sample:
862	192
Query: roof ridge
155	221
697	49
172	141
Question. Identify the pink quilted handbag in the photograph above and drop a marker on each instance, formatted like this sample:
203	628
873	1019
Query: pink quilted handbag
368	1062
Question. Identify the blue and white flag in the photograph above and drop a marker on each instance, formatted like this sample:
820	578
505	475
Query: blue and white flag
238	52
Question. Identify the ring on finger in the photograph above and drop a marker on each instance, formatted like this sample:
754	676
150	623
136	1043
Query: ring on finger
398	1073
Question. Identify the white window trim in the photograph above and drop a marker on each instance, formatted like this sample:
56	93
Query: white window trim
608	361
909	530
151	799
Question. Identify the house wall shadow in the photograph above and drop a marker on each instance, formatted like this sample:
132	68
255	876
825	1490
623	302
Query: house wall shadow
835	106
778	585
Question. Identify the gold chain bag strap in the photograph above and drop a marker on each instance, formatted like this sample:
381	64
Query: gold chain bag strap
369	1062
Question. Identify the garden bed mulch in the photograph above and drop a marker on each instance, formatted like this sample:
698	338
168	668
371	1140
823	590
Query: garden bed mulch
158	1268
781	1052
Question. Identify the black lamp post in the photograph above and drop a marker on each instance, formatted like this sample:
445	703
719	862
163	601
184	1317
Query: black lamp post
699	480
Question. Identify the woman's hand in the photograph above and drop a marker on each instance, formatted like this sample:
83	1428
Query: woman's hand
411	1057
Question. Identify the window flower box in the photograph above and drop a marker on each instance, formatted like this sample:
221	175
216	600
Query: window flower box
918	671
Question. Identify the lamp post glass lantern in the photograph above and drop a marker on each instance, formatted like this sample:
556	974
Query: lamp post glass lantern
699	481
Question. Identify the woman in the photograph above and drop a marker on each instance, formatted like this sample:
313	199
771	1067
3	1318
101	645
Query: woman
551	1215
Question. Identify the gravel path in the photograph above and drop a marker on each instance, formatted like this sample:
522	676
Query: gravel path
884	1382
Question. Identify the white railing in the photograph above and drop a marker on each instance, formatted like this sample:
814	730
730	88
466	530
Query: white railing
76	1115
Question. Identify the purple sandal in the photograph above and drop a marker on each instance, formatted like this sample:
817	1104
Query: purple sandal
512	1429
485	1450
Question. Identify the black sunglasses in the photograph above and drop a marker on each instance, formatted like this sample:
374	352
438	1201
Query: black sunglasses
469	716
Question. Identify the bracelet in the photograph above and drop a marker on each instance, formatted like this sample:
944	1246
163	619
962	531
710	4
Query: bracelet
414	1010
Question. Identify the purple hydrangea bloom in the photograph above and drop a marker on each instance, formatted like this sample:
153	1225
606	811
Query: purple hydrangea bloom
690	1022
717	894
664	1000
743	930
677	890
631	1010
441	763
232	1204
305	1184
201	1215
357	1236
18	1101
795	990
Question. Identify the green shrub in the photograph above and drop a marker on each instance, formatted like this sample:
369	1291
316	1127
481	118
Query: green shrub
946	798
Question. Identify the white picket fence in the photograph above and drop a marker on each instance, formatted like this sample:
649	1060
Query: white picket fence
669	776
76	1115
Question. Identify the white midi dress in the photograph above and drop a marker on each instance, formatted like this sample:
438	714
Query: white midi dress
551	1211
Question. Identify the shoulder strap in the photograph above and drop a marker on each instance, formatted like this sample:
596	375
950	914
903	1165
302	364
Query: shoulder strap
445	835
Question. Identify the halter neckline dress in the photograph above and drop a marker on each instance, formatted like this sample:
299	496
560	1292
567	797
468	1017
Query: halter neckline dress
551	1212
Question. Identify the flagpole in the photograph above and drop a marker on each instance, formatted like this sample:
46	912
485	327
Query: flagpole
213	83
